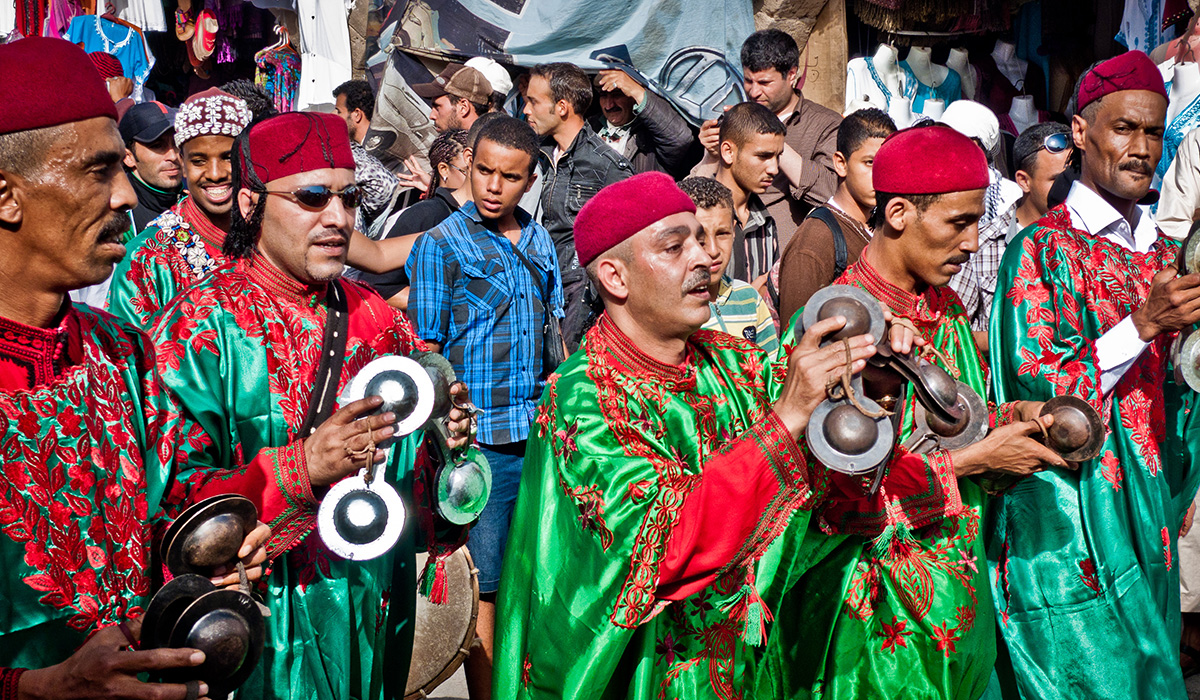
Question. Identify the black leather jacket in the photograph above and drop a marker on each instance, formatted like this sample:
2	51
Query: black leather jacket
588	165
660	139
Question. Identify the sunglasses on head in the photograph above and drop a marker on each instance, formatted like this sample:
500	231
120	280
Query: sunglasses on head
1056	143
317	196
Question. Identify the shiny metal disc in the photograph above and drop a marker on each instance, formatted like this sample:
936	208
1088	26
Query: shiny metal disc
976	427
838	461
404	385
463	489
360	521
863	312
1189	360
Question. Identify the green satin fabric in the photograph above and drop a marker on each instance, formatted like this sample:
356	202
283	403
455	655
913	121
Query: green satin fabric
576	614
83	489
1085	563
337	629
928	631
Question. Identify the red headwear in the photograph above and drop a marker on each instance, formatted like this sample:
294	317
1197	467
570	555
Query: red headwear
1132	70
107	65
929	160
31	101
622	209
296	142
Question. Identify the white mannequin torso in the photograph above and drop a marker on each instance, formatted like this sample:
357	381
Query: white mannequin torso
901	112
934	109
1023	112
1013	68
878	88
1185	87
959	64
920	62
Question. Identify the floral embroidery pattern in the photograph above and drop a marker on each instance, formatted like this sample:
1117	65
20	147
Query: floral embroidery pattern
894	634
1089	575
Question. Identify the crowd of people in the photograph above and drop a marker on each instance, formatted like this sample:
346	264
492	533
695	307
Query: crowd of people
622	297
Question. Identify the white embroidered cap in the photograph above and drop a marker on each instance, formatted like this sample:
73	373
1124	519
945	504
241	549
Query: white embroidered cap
211	113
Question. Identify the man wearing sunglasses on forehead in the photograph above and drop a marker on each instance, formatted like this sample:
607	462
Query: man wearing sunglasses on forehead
1040	154
242	350
1092	304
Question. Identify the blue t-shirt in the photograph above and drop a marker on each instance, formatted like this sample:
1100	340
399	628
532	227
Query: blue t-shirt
98	34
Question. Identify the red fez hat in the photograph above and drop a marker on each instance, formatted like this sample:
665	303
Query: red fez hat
296	142
929	160
107	65
622	209
30	101
1132	70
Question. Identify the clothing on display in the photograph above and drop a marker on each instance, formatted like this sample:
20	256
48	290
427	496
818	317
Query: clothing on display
1141	25
1183	115
278	72
949	90
102	33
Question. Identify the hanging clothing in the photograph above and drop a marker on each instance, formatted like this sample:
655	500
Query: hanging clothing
98	34
1141	26
324	50
948	91
1183	123
1076	552
31	16
278	72
177	249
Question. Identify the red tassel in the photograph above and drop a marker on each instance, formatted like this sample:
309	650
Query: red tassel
439	593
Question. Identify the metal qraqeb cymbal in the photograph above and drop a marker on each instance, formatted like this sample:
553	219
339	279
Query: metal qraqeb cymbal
405	387
970	428
1077	432
167	605
228	627
208	535
1189	253
845	440
1187	360
861	310
360	521
441	374
463	489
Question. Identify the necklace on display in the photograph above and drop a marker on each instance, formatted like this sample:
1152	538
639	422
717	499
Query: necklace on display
109	46
887	95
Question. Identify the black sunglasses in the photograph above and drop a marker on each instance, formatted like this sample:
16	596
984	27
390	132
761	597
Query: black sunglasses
317	196
1056	143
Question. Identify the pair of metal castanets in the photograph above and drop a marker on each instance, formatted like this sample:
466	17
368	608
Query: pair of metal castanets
362	516
851	431
1185	349
190	612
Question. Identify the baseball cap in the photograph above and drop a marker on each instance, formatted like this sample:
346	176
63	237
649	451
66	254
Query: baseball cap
146	121
470	85
437	88
495	73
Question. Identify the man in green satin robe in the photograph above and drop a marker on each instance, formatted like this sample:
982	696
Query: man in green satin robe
89	439
663	463
183	244
1085	567
910	614
240	349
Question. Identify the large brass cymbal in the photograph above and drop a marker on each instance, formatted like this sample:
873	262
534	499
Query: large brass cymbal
208	535
862	312
1077	432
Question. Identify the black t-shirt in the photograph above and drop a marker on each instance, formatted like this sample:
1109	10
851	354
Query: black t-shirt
418	218
151	201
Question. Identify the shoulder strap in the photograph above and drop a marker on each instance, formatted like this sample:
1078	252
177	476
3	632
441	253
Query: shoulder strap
535	274
329	368
840	255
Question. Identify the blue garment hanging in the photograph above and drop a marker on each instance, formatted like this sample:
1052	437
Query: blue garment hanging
949	91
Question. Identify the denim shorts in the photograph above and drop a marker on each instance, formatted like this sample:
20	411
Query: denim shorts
490	533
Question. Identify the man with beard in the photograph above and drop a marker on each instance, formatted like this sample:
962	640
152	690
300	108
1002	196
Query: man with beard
184	244
460	95
1093	305
242	349
664	462
90	439
806	179
151	160
904	585
751	144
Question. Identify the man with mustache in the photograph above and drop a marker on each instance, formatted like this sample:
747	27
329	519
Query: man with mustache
905	585
751	141
184	243
664	462
90	439
1093	303
642	126
243	349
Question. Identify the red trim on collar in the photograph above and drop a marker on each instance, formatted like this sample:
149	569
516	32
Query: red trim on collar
31	356
201	224
612	339
278	283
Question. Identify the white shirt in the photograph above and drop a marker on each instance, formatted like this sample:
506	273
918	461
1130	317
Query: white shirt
1120	347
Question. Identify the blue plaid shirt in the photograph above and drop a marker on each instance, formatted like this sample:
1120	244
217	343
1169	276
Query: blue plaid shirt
471	293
